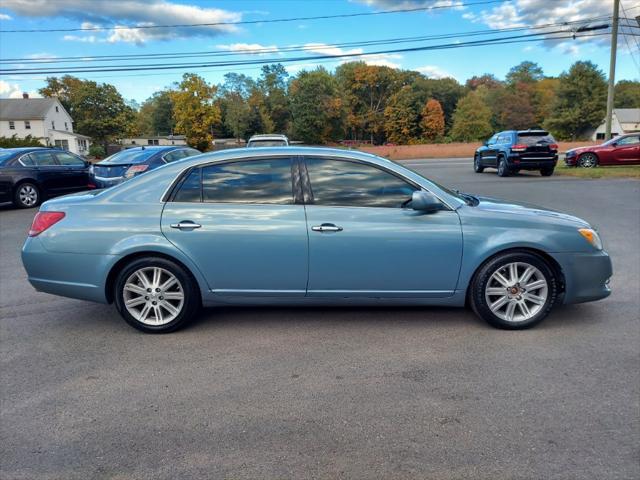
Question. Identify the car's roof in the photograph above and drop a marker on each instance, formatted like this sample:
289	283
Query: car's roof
30	149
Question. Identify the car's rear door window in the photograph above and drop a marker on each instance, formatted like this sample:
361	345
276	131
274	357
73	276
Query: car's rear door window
352	184
191	188
43	159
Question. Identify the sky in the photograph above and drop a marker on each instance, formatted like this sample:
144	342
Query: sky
319	36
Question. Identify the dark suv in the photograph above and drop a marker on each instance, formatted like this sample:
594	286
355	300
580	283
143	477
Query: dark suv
515	150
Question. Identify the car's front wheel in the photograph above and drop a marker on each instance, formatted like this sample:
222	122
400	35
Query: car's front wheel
547	172
588	160
156	295
27	195
514	290
477	164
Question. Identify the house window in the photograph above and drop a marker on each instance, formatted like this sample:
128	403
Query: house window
82	145
62	144
599	136
152	141
53	125
65	126
12	125
27	125
133	142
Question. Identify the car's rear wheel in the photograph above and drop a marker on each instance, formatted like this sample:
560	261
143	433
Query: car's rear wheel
588	160
27	195
477	164
547	172
503	168
156	295
514	290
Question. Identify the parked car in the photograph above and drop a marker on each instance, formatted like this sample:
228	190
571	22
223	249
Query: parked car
268	140
30	175
515	150
308	226
128	163
622	150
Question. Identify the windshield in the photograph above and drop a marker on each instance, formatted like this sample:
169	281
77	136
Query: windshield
535	138
4	156
129	156
453	193
267	143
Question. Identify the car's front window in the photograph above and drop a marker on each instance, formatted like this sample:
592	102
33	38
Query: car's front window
628	140
352	184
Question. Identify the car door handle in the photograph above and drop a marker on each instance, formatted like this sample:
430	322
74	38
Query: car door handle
185	225
326	227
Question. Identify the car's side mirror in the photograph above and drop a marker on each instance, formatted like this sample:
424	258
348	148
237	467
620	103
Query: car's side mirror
425	201
485	143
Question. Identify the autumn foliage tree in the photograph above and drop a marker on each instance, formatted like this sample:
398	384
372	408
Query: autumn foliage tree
195	110
472	118
432	122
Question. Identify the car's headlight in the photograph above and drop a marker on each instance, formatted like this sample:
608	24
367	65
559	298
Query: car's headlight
592	237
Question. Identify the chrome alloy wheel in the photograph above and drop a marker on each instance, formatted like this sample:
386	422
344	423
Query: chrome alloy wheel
516	292
153	296
28	195
587	160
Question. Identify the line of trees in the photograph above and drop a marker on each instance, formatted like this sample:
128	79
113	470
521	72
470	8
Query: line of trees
357	102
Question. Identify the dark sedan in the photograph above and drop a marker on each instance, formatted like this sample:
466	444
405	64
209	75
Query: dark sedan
30	175
131	162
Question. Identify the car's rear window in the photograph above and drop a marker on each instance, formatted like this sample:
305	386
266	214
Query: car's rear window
535	138
267	143
130	156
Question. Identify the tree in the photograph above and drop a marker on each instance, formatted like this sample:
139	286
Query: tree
316	109
448	92
488	80
546	91
525	72
14	141
97	109
235	107
195	110
627	94
432	122
581	101
517	112
275	112
472	119
402	117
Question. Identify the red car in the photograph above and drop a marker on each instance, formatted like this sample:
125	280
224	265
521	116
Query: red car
622	150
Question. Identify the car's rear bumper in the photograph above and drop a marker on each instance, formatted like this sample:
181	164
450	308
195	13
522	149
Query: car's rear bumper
532	162
586	275
104	182
72	275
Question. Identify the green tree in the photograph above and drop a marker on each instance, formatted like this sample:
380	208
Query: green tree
14	141
525	72
627	94
472	118
517	111
236	111
448	92
195	110
581	101
488	80
274	111
432	121
316	109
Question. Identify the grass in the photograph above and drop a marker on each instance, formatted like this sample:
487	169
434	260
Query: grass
631	171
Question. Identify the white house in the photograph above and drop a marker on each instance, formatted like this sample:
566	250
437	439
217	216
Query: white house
44	119
154	140
623	120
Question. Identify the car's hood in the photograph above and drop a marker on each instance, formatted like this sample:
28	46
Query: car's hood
496	205
583	149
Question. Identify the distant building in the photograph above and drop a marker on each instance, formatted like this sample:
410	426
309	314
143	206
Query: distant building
44	119
624	120
165	140
225	143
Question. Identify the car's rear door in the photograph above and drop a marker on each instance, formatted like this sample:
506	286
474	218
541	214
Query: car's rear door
243	223
363	243
76	172
627	150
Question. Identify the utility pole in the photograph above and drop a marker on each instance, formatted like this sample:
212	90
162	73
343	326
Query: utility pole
612	67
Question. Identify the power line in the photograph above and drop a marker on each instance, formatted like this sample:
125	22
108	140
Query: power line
184	66
626	40
286	49
253	22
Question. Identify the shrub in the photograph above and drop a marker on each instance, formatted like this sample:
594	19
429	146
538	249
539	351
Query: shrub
13	142
96	151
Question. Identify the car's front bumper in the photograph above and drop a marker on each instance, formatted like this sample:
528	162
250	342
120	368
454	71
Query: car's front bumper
586	275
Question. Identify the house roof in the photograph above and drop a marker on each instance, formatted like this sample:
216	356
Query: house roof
25	108
73	134
627	115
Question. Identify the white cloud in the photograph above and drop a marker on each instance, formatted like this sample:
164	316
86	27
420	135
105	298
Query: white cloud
433	71
4	16
250	48
324	49
13	90
131	13
42	56
382	60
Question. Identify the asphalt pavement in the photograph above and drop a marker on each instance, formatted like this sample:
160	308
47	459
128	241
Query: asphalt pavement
331	392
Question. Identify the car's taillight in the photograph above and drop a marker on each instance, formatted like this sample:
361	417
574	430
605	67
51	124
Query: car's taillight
135	169
44	220
518	147
553	146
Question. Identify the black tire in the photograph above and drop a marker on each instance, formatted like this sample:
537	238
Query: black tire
477	164
503	168
187	285
587	160
27	195
483	277
547	172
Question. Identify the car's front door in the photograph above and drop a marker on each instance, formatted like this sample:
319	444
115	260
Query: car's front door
240	222
490	152
627	149
76	172
363	243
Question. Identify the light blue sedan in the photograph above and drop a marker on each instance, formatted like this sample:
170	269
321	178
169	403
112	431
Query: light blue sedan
308	226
